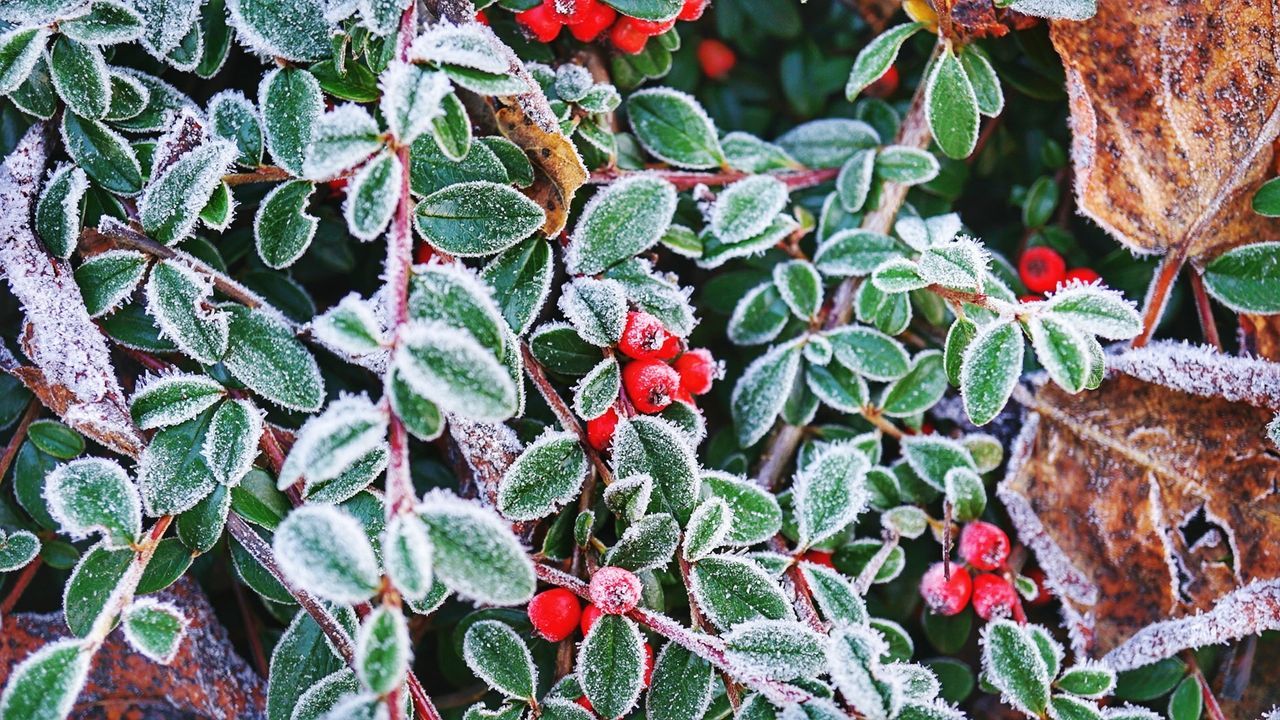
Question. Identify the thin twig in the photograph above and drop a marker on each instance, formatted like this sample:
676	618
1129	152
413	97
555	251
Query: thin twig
1204	309
564	414
19	434
1211	707
19	586
264	173
695	615
251	630
1158	294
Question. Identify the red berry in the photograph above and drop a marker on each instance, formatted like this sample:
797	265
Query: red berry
716	58
643	336
1030	298
683	395
627	37
1041	268
600	430
983	545
671	348
541	22
579	10
943	596
993	596
648	664
555	613
651	384
652	27
422	253
590	614
693	9
482	18
1043	596
885	85
697	370
597	21
614	591
1084	275
818	557
585	703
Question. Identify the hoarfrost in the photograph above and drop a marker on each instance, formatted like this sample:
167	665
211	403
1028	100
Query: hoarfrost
476	554
155	628
745	208
173	397
351	327
372	196
331	442
340	139
853	659
95	495
411	99
830	492
1202	371
231	442
597	309
180	300
464	45
774	650
325	550
450	368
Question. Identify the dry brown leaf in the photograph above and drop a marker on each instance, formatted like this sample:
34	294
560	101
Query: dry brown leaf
1174	106
207	679
876	12
1260	336
558	169
1153	503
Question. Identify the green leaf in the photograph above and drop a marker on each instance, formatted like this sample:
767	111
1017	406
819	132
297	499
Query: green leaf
918	390
332	442
597	309
412	99
95	495
1245	278
830	492
350	326
383	650
340	139
834	594
732	590
104	154
497	655
775	649
828	143
406	555
231	443
966	492
951	107
557	347
745	208
754	512
986	84
759	316
232	117
855	252
477	218
520	278
80	76
548	474
800	286
877	57
476	554
620	221
372	196
932	456
91	585
749	153
1150	681
452	130
1013	665
1186	702
708	527
179	298
961	333
55	439
1061	350
292	29
649	544
201	527
899	275
655	447
598	390
1266	201
451	369
264	355
20	50
291	102
1068	707
1096	310
682	685
959	265
325	550
172	473
301	658
57	219
646	9
611	664
674	128
154	629
990	369
17	548
282	229
172	200
129	97
906	165
838	387
453	296
853	184
1090	680
1041	199
257	500
762	390
422	418
44	686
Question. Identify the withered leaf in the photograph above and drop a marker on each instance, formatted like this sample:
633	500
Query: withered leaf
558	169
1153	503
1174	106
877	12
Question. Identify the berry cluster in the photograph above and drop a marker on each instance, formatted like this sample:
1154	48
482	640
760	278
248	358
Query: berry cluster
984	548
1043	269
659	371
588	19
556	613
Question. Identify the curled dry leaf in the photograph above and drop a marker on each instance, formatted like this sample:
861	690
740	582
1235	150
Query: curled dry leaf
1151	503
1173	110
557	168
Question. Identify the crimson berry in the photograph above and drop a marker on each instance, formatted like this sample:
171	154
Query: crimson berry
697	369
597	21
983	545
885	85
614	591
1041	268
627	37
943	596
600	430
652	27
643	336
1043	596
651	384
590	614
541	21
1084	275
818	557
579	10
585	703
422	253
683	395
1030	298
482	18
716	58
648	664
671	348
555	613
693	9
993	596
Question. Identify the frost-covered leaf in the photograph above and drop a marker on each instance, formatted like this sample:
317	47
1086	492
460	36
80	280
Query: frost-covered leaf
476	554
655	447
477	218
411	98
674	128
629	497
989	370
958	265
291	103
853	184
931	456
1061	350
749	153
383	650
834	594
372	196
231	442
762	390
1091	680
716	253
20	50
966	493
1097	310
709	525
855	252
611	664
548	474
325	551
497	655
80	76
800	286
650	542
906	165
103	153
452	295
232	117
172	200
918	390
58	210
303	665
951	107
620	221
95	495
200	528
982	77
754	513
463	45
854	657
17	548
1013	665
1057	9
282	229
349	326
265	356
292	29
452	129
598	390
597	309
330	443
682	685
1244	278
829	142
44	686
172	473
830	492
732	590
450	368
759	316
340	139
656	293
520	278
180	299
154	628
877	57
406	554
775	649
745	208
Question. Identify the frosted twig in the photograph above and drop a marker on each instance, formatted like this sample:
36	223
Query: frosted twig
562	412
868	575
19	434
265	173
1208	326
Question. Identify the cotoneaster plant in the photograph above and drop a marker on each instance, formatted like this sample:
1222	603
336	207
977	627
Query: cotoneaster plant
455	335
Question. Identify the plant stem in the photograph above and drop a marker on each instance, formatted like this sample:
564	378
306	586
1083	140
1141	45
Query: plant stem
1158	294
1205	310
564	414
264	173
19	586
695	615
19	434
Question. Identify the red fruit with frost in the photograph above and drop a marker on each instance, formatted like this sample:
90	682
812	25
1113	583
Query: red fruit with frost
590	614
597	21
885	85
614	591
692	10
651	28
541	22
579	10
1084	275
482	18
1043	596
600	430
697	370
716	58
817	557
555	614
651	384
626	37
648	664
1041	269
671	348
984	546
644	336
993	596
946	596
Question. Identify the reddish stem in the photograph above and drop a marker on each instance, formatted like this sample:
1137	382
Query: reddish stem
19	434
1207	324
1158	294
19	585
564	414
